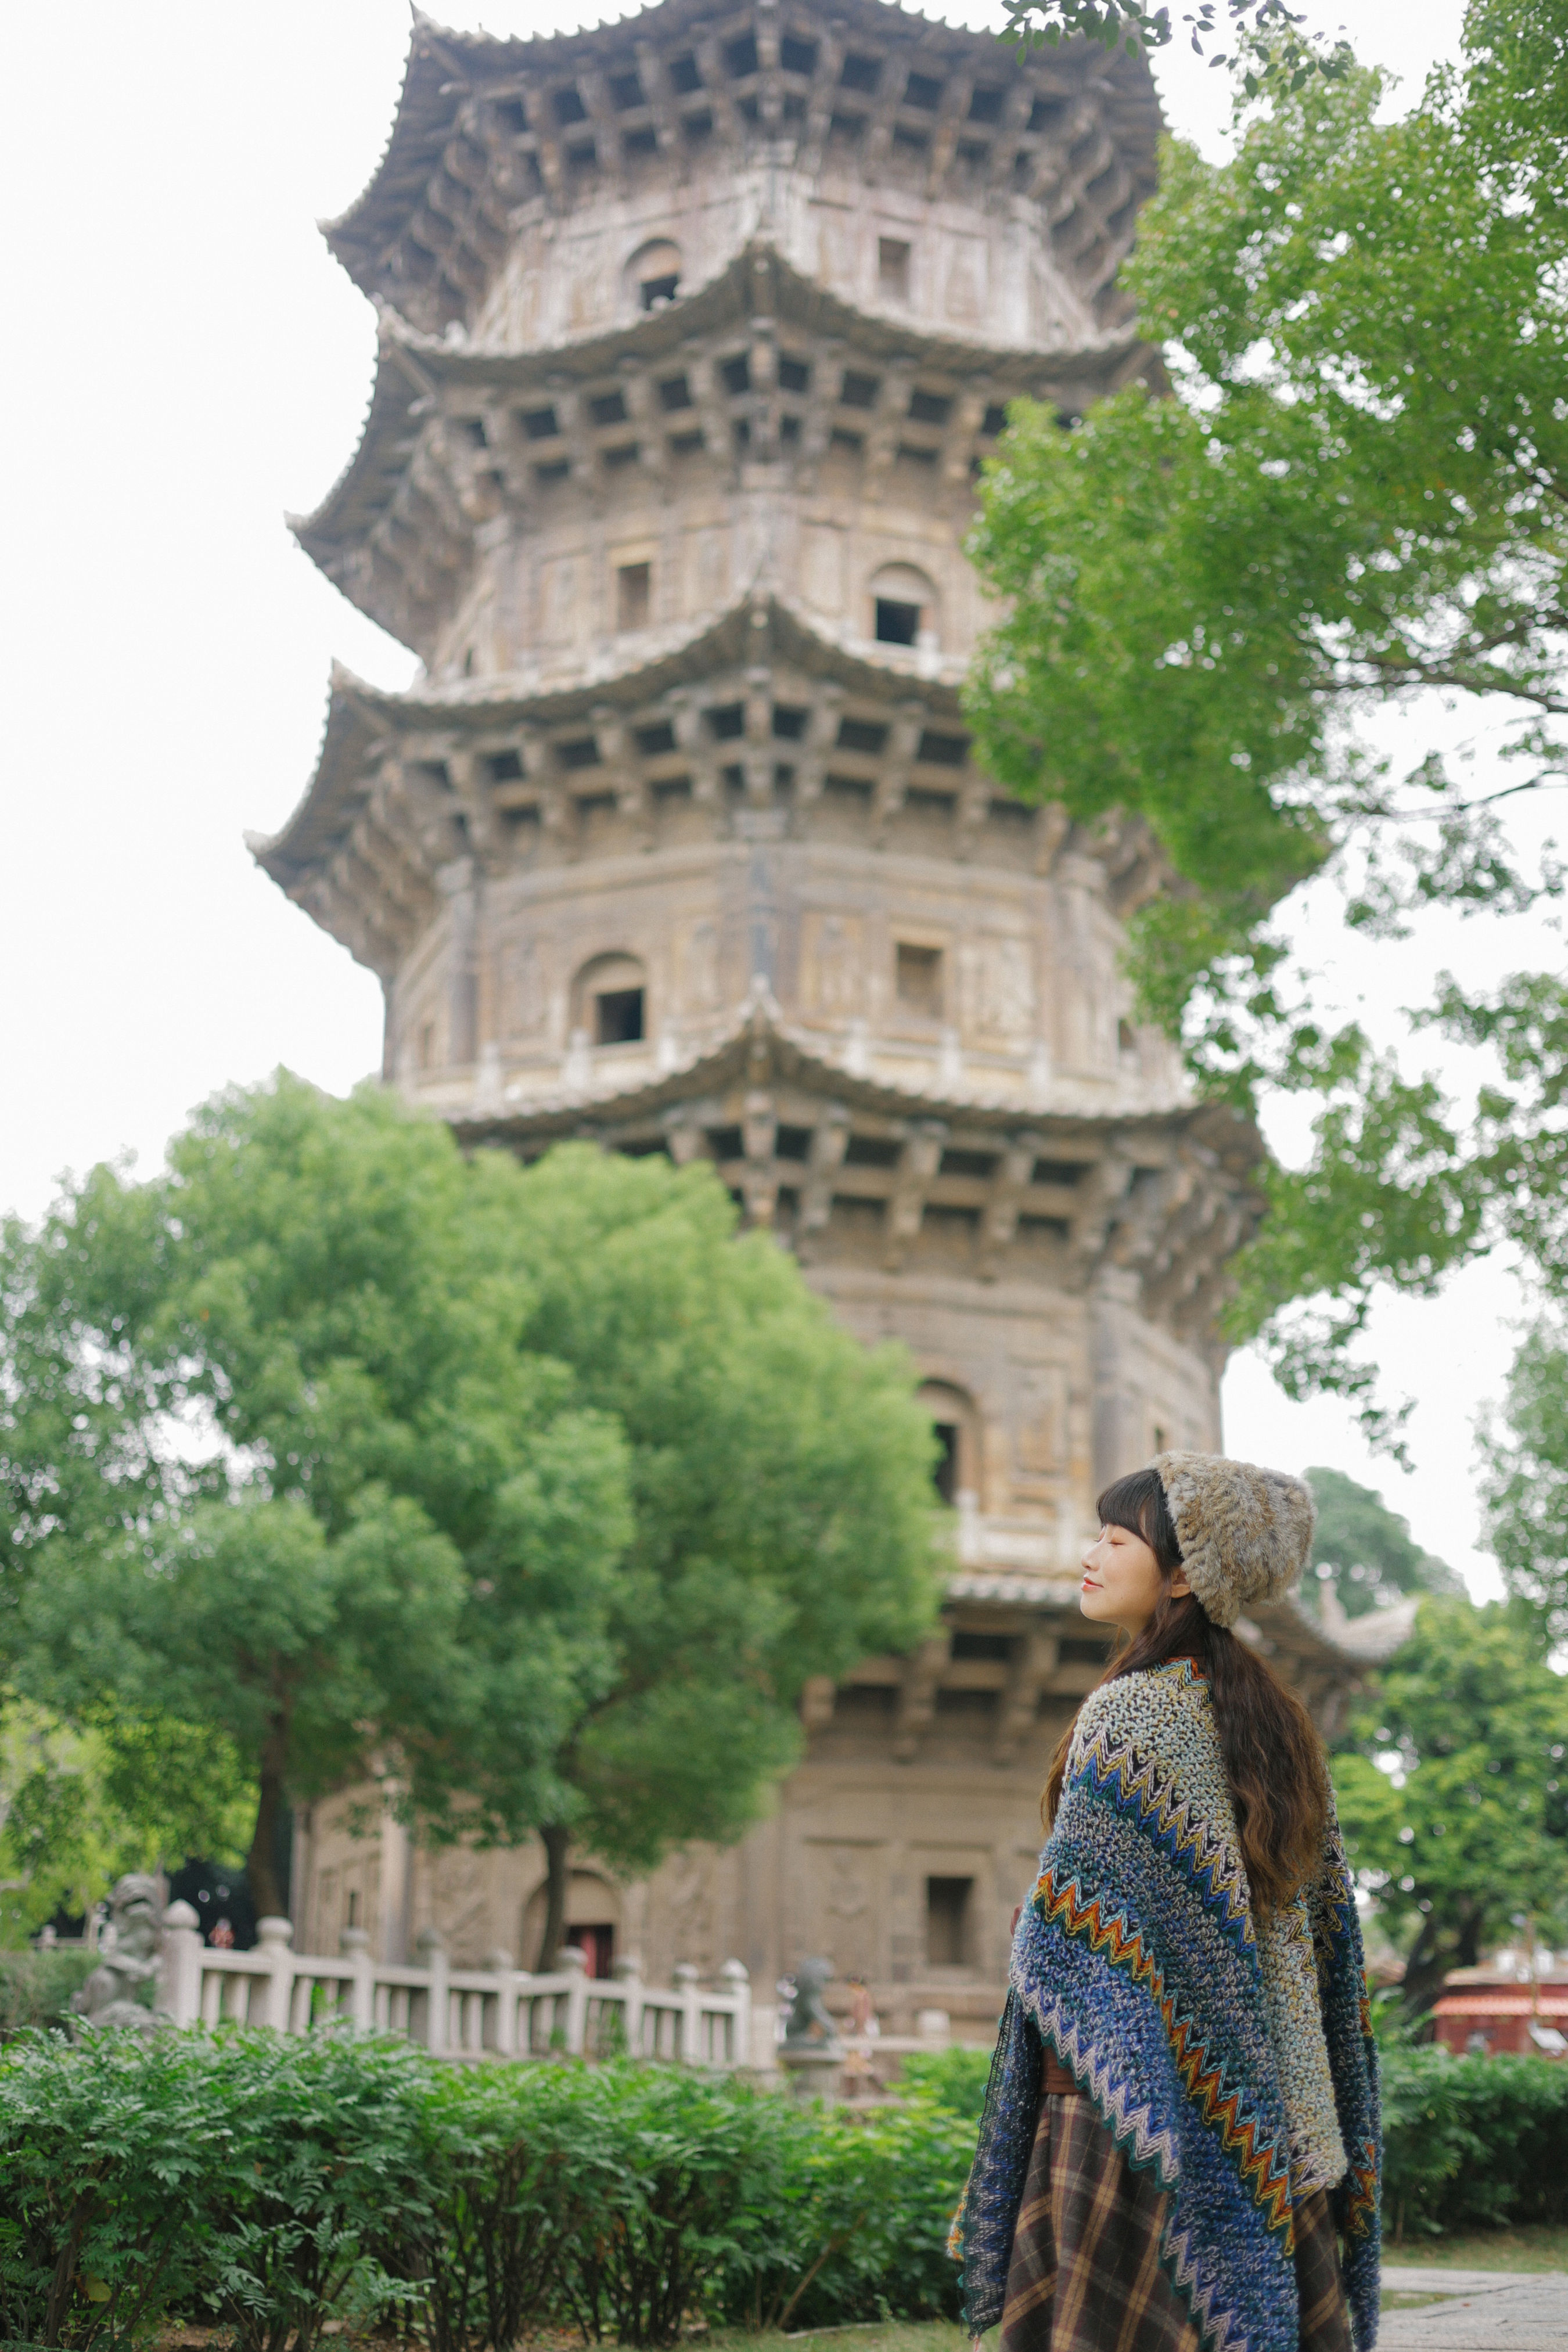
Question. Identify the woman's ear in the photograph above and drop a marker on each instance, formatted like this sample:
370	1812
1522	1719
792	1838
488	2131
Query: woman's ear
1180	1588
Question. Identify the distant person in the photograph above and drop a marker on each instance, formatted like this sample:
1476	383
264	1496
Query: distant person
1183	2112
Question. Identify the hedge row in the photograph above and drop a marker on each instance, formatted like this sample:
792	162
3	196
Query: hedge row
273	2183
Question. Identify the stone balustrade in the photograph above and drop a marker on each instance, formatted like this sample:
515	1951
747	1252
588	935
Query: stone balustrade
500	2012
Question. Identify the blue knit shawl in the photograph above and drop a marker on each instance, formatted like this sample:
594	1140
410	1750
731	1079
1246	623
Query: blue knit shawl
1136	1960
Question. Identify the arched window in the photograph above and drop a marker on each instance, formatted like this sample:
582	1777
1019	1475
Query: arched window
653	274
956	1471
903	606
610	1001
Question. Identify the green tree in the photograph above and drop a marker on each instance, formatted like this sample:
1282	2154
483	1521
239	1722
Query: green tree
1359	490
1364	1551
1526	1487
326	1442
1455	1799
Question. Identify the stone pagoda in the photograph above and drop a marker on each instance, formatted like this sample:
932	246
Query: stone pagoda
694	333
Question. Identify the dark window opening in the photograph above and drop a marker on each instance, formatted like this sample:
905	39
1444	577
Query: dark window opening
789	429
582	158
556	470
512	116
917	979
930	407
968	1163
1056	1171
597	1946
923	89
581	751
789	724
997	1648
617	1017
505	767
893	268
474	426
698	126
872	1151
943	750
626	91
947	1921
685	444
794	375
644	142
797	55
1053	1229
594	805
973	150
858	789
985	103
860	73
1073	1652
726	1143
793	1143
920	801
794	108
851	442
969	1703
897	623
652	740
741	57
675	392
434	772
568	106
1046	112
944	1470
672	788
540	424
634	596
607	409
913	143
684	76
728	722
735	375
740	433
994	420
912	455
861	735
847	127
1126	1042
627	454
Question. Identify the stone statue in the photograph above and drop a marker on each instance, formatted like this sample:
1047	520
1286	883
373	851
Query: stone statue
810	2024
122	1989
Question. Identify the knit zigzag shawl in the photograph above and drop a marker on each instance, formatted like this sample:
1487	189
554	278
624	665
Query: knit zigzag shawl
1238	2063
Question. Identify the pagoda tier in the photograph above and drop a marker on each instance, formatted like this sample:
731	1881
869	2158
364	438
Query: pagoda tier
503	149
758	422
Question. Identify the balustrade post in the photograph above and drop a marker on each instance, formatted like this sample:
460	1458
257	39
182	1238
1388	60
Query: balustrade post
574	1963
738	1984
274	1936
432	1954
180	1965
503	1967
685	1976
628	1969
354	1945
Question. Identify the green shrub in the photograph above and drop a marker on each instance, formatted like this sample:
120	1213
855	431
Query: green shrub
35	1988
955	2079
1472	2143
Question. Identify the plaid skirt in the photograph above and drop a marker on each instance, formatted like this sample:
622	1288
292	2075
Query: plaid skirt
1085	2274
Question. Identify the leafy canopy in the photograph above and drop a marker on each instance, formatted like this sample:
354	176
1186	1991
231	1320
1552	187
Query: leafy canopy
1364	1552
532	1495
1455	1802
1358	491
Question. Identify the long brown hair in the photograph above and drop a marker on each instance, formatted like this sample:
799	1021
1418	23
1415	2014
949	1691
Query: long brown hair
1272	1755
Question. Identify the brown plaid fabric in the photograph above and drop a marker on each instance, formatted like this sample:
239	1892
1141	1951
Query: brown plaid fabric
1085	2272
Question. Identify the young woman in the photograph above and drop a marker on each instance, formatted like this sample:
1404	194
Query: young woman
1181	2117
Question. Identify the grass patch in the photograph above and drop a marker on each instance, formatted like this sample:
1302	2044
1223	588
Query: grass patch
874	2336
1533	2246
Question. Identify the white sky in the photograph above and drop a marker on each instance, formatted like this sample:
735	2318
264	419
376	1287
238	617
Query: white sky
189	363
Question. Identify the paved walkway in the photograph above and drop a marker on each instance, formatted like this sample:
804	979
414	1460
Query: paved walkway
1481	2311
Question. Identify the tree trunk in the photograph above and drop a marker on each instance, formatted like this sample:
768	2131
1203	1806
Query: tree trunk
261	1862
1431	1958
557	1842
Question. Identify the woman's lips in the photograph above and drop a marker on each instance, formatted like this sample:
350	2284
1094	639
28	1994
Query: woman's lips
1088	1584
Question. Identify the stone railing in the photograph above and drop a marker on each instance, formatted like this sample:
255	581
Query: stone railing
496	2012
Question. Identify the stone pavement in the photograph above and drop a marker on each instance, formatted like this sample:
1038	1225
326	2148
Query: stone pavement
1481	2311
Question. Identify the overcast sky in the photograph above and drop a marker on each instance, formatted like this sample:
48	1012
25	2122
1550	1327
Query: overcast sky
189	364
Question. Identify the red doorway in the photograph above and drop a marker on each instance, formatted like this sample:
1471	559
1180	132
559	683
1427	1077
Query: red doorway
597	1946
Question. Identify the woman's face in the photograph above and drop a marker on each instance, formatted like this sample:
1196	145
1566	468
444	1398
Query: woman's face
1121	1580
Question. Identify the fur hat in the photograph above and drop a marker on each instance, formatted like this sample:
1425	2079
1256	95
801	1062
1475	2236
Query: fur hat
1244	1532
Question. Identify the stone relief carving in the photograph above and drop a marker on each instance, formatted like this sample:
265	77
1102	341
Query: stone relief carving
831	964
